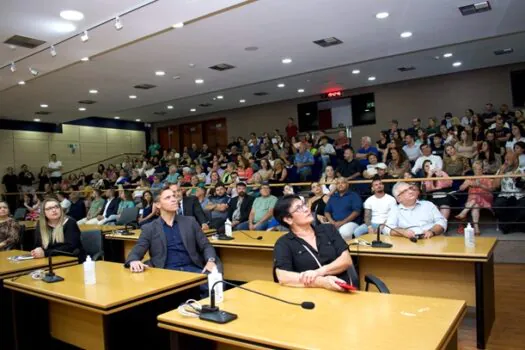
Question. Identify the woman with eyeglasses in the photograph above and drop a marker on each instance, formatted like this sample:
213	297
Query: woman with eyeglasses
308	256
56	232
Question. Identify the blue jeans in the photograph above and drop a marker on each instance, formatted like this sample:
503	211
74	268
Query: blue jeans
245	226
204	289
363	229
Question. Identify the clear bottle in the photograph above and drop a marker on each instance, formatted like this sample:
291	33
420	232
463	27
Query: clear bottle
470	238
90	276
213	277
228	228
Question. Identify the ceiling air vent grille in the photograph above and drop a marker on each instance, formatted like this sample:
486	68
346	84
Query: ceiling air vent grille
87	102
222	67
205	105
473	9
332	41
43	113
24	41
261	93
406	69
504	51
145	86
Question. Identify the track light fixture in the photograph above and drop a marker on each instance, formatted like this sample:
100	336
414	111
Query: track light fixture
118	23
84	37
33	71
13	67
53	51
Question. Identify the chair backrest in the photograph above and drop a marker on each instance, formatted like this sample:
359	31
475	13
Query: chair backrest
354	277
20	214
128	216
21	235
92	242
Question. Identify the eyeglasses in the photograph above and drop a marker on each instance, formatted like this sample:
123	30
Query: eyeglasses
55	207
411	188
302	208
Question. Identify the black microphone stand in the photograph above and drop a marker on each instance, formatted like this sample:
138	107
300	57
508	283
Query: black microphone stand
378	243
50	276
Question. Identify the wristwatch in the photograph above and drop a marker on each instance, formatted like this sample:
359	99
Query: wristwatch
433	233
211	260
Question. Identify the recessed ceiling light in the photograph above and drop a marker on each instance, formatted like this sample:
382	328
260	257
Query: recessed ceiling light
137	120
21	82
82	109
178	25
220	97
372	78
356	71
242	101
63	27
193	110
280	85
192	65
382	15
405	35
286	60
116	117
160	73
84	59
72	15
44	106
300	91
169	107
132	97
176	77
457	64
199	81
447	55
93	91
36	120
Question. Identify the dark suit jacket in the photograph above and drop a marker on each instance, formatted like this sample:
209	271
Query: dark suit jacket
246	207
112	208
152	238
192	207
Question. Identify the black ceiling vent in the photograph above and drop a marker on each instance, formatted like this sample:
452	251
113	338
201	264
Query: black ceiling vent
205	105
43	113
145	86
160	113
261	93
222	67
24	41
332	41
504	51
87	102
472	9
406	69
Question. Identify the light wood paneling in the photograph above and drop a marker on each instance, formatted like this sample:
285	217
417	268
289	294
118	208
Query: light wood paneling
69	133
92	134
246	264
30	135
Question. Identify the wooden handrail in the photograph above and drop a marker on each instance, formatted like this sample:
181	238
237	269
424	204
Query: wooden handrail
101	161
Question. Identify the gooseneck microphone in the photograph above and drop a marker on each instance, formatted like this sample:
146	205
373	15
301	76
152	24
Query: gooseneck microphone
50	276
212	312
378	243
258	238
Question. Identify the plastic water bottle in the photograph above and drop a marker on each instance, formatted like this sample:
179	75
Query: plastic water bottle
213	277
470	238
90	276
228	228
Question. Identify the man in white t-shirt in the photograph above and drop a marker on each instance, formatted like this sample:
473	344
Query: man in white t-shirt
376	208
64	202
426	151
55	169
411	149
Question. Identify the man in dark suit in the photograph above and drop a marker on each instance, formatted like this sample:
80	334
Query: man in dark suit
174	242
110	208
240	213
190	206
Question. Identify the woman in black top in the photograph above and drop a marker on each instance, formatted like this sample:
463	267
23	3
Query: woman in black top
383	141
56	232
43	179
308	256
317	203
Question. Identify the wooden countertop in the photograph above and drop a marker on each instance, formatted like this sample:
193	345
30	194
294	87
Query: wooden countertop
136	234
339	321
31	225
267	242
442	247
116	289
10	268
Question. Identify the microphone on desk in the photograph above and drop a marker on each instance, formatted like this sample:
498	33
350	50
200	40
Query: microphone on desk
258	238
378	243
212	312
50	276
412	239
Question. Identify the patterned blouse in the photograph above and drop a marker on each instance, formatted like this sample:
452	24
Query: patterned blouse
9	230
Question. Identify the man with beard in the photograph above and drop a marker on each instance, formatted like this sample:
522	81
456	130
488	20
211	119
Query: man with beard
240	206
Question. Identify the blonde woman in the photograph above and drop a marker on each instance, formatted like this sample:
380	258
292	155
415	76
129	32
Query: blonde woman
55	231
327	180
465	146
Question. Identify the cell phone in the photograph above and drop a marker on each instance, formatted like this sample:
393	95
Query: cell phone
346	286
420	236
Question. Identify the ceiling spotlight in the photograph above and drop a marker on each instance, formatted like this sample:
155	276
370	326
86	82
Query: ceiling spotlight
280	85
372	78
82	109
199	81
169	107
21	82
447	55
93	91
118	23
84	59
84	37
178	25
191	65
300	91
13	67
33	71
116	117
160	73
43	106
242	101
132	97
36	120
286	60
52	51
382	15
177	77
72	15
137	120
220	97
405	35
457	64
356	71
193	110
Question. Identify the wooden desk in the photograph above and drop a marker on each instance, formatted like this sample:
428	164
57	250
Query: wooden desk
29	225
437	267
339	321
245	258
80	314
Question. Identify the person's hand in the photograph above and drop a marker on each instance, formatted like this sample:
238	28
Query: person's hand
100	217
371	230
329	282
209	267
38	253
409	234
337	224
205	227
235	223
308	277
428	234
137	266
252	227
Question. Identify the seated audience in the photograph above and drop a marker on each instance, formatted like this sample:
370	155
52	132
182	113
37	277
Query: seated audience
262	211
349	167
371	168
218	206
365	150
190	206
454	164
376	208
437	189
96	208
426	155
110	209
33	205
148	212
244	170
327	180
9	228
240	206
77	208
519	149
304	161
491	162
411	149
399	165
326	150
518	135
343	209
317	203
65	203
465	147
